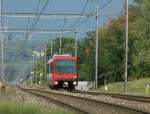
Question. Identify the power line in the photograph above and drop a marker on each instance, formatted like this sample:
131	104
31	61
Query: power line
28	20
106	4
35	22
45	15
38	5
64	24
82	11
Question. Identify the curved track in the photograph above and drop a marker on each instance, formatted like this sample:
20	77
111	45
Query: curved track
83	105
39	93
137	98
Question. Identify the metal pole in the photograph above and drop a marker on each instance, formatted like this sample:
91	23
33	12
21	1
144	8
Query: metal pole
35	62
2	48
126	49
30	68
51	47
25	70
45	62
76	42
60	50
2	52
96	48
32	71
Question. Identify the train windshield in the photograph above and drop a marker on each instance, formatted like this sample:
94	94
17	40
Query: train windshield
66	67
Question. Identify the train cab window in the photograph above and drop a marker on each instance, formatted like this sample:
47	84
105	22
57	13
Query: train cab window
66	67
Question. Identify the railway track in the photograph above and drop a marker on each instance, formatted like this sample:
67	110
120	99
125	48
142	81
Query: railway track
83	105
120	96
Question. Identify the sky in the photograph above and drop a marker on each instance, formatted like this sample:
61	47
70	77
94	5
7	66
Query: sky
112	10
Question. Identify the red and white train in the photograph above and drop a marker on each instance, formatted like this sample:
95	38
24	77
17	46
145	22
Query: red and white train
63	72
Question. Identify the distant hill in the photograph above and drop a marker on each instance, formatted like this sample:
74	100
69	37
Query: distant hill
17	55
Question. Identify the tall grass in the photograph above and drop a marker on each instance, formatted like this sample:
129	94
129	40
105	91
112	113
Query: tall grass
136	87
22	108
11	106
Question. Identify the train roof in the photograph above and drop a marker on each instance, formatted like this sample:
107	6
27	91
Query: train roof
61	57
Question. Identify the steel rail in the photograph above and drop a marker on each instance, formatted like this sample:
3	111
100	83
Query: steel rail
121	96
100	105
57	102
136	98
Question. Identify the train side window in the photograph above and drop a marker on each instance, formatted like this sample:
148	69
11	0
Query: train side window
51	67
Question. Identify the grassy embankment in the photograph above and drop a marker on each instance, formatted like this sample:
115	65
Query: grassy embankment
13	106
136	87
20	108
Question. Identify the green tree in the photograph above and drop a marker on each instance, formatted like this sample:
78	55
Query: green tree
141	56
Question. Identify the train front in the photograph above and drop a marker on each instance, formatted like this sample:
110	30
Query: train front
65	72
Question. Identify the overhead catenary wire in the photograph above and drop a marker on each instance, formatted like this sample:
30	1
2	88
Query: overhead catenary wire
36	11
28	34
60	37
106	4
82	12
64	24
37	7
100	8
37	19
28	20
84	21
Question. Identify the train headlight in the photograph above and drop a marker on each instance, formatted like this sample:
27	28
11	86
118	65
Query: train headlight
74	76
74	83
56	82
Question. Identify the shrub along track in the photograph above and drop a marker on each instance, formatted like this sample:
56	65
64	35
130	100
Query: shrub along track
82	105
